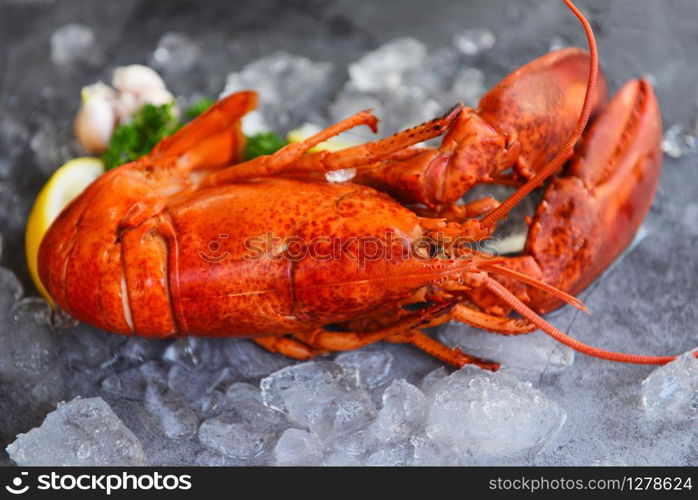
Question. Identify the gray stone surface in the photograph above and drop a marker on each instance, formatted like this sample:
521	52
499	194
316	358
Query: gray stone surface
646	303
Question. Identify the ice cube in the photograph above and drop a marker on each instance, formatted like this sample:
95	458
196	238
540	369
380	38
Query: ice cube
28	348
193	385
398	108
74	43
253	123
390	456
670	392
83	432
341	175
322	396
13	206
341	459
403	413
140	349
479	412
678	142
428	452
128	384
175	52
208	458
385	67
406	107
435	75
14	137
373	366
87	348
609	462
252	362
211	404
360	444
289	87
172	416
432	377
473	41
468	86
50	143
557	43
349	101
535	352
228	435
298	447
246	401
193	352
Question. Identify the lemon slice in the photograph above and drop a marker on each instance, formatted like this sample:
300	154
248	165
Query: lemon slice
309	129
64	185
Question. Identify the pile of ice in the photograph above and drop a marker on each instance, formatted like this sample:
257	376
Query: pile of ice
29	358
314	413
288	87
401	81
84	432
406	84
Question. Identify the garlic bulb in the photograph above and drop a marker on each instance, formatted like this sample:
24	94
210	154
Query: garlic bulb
104	107
136	78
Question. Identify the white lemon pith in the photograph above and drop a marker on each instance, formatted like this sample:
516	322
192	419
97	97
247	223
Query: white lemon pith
64	185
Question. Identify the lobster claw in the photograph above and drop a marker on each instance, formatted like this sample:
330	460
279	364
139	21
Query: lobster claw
591	214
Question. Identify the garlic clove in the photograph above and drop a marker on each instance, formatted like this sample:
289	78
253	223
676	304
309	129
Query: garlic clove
125	105
157	97
136	79
95	121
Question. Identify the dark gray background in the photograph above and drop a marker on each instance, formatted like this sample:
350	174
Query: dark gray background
647	304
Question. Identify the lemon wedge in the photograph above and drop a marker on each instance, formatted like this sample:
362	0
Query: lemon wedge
64	185
309	129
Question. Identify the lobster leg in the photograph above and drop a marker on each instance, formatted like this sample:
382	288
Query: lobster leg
452	356
490	322
268	165
346	341
402	330
590	214
288	347
458	213
291	157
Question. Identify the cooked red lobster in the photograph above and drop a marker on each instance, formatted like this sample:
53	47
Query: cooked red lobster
189	240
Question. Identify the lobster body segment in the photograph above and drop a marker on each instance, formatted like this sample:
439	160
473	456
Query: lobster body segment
288	256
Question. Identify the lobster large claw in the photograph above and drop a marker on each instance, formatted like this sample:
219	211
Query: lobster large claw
590	214
522	122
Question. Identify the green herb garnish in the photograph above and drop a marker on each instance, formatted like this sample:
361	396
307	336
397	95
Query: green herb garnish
264	143
147	127
151	124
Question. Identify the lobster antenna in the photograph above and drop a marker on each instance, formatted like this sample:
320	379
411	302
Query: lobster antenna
563	155
525	312
541	285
